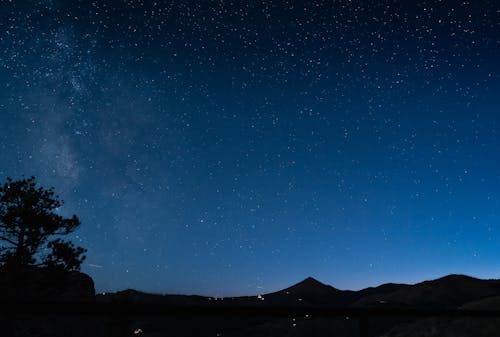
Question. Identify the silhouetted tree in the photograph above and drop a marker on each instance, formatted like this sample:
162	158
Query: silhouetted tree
27	222
64	255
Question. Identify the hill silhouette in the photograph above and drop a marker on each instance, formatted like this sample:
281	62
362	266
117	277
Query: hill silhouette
452	291
449	292
309	292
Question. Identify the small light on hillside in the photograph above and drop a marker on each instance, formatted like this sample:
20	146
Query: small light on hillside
138	331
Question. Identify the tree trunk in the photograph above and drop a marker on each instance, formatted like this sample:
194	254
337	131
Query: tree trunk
20	250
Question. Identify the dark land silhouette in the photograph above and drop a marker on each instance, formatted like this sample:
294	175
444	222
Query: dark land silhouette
43	294
45	302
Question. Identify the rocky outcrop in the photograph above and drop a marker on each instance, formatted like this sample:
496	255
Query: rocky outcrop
40	284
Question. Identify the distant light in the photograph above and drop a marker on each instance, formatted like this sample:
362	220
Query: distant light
138	331
260	297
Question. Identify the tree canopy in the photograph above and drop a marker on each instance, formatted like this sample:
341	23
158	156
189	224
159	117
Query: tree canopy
30	228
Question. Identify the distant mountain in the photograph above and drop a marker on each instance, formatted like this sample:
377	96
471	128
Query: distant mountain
131	296
450	291
310	292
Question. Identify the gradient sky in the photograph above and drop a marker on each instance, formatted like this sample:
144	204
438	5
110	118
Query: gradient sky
230	148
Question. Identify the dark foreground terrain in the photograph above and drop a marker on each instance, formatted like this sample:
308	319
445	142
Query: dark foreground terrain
48	303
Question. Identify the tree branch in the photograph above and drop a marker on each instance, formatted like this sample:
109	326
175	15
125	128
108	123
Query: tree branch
8	240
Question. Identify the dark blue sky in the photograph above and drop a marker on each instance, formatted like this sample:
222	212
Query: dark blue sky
230	148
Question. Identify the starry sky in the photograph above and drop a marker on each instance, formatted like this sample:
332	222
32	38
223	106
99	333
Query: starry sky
229	148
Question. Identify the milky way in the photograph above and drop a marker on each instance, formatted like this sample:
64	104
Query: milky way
230	148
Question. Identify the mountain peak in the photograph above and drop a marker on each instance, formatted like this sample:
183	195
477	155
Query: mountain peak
311	281
310	292
457	277
310	284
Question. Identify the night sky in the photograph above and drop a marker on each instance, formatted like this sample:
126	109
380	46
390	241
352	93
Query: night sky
230	148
